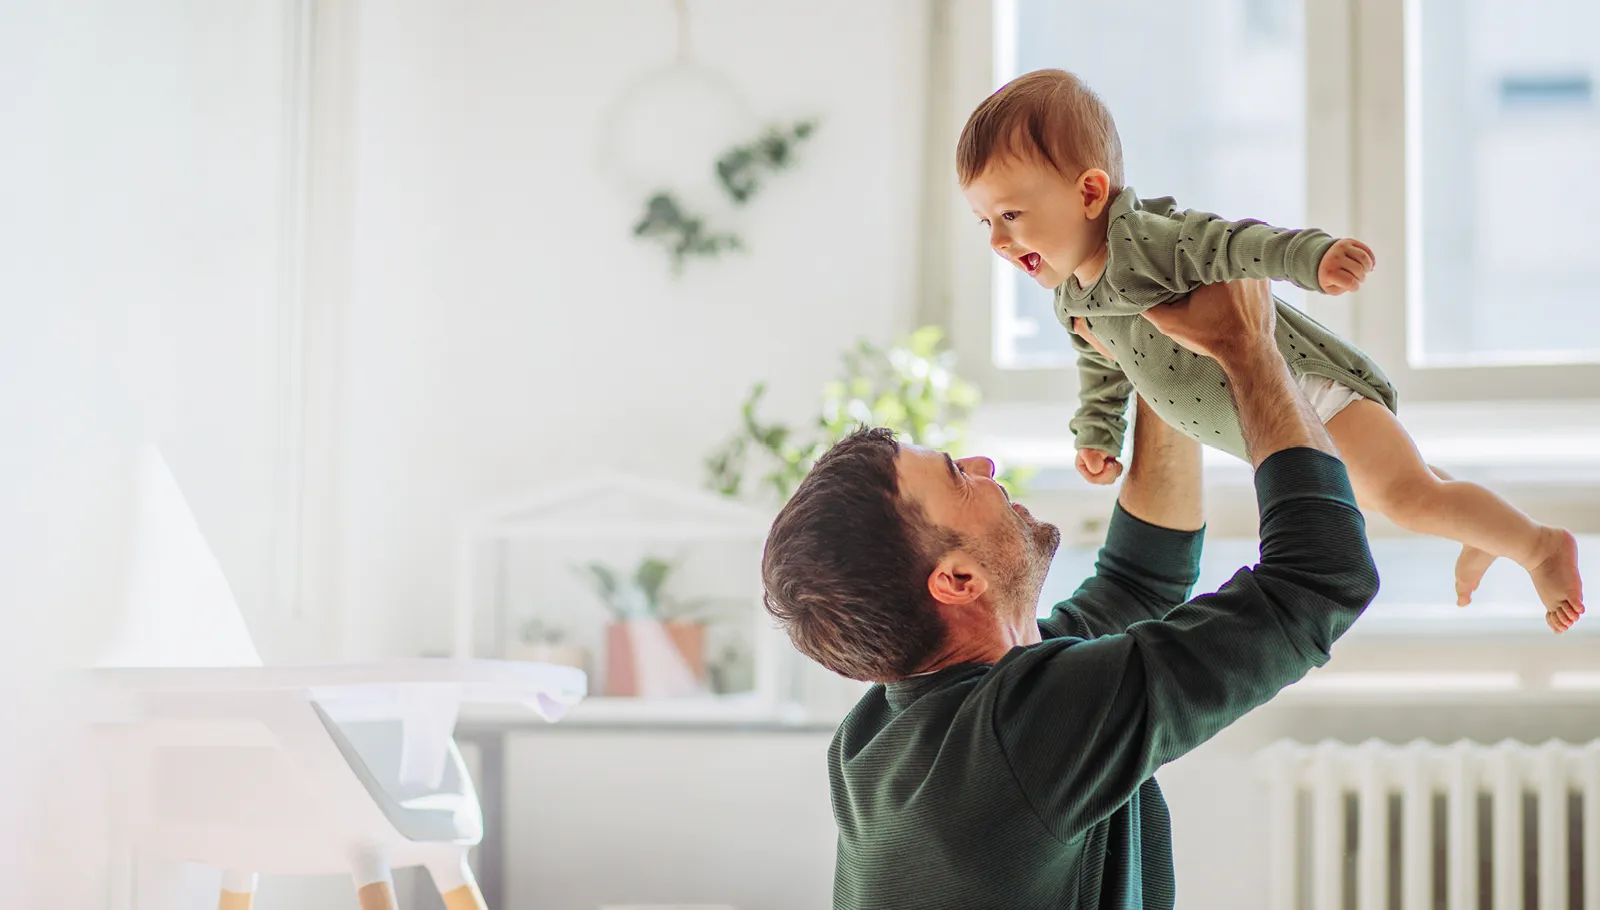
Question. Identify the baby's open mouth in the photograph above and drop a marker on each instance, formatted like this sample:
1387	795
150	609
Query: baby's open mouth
1030	262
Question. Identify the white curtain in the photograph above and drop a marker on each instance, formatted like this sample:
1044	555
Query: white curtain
139	265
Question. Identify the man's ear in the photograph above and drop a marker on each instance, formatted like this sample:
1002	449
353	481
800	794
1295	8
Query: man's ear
957	580
1094	185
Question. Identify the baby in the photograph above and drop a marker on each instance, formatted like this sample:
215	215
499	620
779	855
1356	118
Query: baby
1041	164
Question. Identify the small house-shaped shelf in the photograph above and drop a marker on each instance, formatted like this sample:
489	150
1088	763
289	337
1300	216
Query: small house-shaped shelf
534	576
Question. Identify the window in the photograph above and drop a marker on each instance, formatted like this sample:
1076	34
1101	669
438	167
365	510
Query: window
1459	138
1508	129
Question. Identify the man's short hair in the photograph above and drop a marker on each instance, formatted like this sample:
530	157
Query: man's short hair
1048	116
846	565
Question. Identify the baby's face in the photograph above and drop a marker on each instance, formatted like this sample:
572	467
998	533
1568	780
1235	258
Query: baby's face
1038	220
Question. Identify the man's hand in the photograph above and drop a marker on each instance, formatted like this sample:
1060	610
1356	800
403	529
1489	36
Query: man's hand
1221	321
1345	266
1080	327
1233	324
1098	467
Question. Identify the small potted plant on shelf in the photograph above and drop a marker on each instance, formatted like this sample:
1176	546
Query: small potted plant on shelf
540	642
655	647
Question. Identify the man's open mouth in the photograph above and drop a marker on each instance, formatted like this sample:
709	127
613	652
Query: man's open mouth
1030	262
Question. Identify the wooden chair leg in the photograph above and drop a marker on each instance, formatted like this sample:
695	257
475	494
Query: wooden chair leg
238	890
374	881
377	896
456	883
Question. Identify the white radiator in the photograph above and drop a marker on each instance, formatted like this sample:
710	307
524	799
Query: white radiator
1421	826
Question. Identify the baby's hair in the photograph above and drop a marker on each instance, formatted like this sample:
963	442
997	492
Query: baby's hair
1047	115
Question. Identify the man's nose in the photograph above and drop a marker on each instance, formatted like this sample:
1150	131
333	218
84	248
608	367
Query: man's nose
977	465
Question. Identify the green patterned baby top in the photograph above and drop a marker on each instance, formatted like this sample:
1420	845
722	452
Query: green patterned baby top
1157	253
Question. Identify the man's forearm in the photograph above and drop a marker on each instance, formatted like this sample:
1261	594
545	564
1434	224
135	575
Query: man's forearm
1163	482
1272	411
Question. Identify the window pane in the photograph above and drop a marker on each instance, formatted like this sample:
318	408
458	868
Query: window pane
1227	136
1509	161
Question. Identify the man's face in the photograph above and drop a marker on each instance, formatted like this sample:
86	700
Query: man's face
1011	547
1038	220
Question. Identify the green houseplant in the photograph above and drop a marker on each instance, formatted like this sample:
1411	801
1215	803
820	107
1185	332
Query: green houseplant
911	388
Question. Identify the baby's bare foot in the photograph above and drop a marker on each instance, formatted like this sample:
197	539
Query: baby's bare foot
1470	566
1554	569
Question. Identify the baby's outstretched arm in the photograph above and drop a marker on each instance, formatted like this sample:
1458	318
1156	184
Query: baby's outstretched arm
1159	258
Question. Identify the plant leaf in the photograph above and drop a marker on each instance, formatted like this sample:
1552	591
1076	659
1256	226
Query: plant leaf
651	575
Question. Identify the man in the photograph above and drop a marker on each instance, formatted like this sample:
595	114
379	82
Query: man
1007	761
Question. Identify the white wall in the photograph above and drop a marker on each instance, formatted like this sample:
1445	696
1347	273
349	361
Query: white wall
507	332
140	238
505	329
66	416
153	153
741	819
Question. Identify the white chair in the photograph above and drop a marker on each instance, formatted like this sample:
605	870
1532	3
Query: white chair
216	759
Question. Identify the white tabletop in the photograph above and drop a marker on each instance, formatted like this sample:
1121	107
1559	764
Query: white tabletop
478	680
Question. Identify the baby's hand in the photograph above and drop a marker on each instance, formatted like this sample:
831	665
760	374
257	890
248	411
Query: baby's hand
1098	467
1345	266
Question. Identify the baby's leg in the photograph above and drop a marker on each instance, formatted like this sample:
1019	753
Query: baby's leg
1471	564
1389	475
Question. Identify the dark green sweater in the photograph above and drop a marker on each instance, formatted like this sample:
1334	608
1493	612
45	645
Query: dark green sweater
1028	784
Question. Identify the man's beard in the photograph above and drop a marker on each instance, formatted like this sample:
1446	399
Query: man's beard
1046	539
1019	561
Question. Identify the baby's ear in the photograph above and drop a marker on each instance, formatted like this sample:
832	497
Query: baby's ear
1094	185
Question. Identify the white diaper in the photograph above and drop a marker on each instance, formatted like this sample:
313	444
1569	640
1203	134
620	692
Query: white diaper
1326	396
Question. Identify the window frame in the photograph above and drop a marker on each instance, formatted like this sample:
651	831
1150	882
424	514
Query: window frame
1385	48
975	71
1361	152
